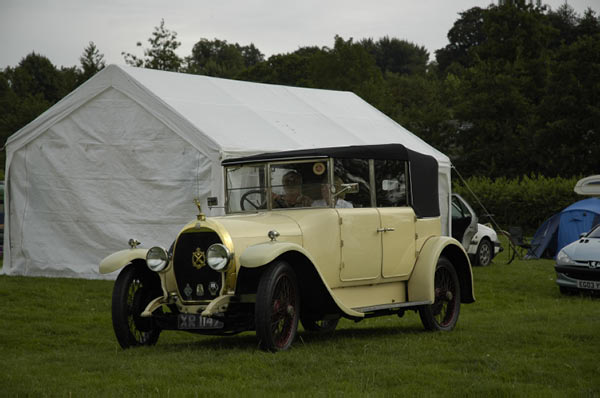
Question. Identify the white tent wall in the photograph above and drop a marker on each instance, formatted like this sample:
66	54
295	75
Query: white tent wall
107	172
125	154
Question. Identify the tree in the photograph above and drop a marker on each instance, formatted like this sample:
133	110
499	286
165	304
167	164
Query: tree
292	69
91	62
349	67
589	24
397	56
161	53
465	36
221	59
36	76
29	89
572	111
423	104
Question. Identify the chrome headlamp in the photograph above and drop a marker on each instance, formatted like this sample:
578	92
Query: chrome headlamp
157	259
218	257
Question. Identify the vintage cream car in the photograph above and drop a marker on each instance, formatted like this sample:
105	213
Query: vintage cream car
309	236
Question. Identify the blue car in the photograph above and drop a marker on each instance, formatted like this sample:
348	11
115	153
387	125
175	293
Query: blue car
578	264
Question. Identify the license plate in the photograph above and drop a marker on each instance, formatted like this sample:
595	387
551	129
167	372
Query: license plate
593	285
195	321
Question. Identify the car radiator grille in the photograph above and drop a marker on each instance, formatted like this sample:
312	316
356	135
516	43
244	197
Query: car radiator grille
582	272
195	283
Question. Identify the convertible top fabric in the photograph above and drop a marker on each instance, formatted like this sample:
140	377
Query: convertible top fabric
392	151
124	155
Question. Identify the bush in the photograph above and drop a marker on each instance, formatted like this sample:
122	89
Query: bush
525	201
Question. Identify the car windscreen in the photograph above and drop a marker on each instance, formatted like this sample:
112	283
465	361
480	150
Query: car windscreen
276	185
595	232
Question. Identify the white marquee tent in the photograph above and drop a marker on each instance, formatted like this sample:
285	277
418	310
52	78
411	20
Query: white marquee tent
125	154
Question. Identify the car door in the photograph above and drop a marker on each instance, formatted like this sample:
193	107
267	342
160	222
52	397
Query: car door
359	224
392	194
360	244
397	241
464	220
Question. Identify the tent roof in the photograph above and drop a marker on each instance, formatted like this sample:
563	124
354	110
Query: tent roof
238	118
591	204
242	115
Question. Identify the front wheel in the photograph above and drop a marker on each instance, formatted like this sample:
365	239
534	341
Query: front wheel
443	313
277	307
134	288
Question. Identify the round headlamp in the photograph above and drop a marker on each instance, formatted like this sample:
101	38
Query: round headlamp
218	257
157	259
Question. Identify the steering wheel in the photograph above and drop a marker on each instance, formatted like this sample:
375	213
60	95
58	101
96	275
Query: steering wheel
252	199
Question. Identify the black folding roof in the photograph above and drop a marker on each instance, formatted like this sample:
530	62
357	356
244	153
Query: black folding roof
423	168
387	151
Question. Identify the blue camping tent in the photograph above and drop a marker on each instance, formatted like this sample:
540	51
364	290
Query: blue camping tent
565	227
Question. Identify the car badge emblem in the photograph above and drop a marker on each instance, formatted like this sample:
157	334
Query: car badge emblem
213	288
198	258
594	264
199	289
188	290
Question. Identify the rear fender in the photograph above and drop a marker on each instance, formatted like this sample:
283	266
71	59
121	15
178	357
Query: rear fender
421	282
120	259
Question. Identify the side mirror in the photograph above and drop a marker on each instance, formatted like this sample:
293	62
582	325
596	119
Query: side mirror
212	201
390	185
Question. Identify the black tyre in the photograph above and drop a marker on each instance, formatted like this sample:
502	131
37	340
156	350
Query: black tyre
277	307
443	313
134	288
484	253
318	325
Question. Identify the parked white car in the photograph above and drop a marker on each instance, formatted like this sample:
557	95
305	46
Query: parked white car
480	241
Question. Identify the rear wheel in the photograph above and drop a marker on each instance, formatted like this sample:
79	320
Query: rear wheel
484	253
134	288
277	307
443	313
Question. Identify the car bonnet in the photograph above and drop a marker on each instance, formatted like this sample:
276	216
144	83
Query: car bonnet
584	249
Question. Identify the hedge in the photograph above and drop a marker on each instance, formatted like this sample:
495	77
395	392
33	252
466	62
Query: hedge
526	201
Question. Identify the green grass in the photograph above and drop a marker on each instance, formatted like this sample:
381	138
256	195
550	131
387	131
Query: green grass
521	338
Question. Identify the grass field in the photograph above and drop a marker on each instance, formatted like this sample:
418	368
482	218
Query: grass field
521	338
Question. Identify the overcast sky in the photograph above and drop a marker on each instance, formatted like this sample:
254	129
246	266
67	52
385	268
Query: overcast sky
61	29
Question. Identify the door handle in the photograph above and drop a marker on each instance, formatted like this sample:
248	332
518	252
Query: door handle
385	229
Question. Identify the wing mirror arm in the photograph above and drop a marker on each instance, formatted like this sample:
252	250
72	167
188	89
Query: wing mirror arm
347	188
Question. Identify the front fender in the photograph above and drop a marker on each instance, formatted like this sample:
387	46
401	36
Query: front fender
263	253
120	259
421	282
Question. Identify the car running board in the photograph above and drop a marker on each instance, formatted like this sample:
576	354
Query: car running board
391	306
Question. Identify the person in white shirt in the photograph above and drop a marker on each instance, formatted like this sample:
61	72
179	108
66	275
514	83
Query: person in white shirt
340	203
